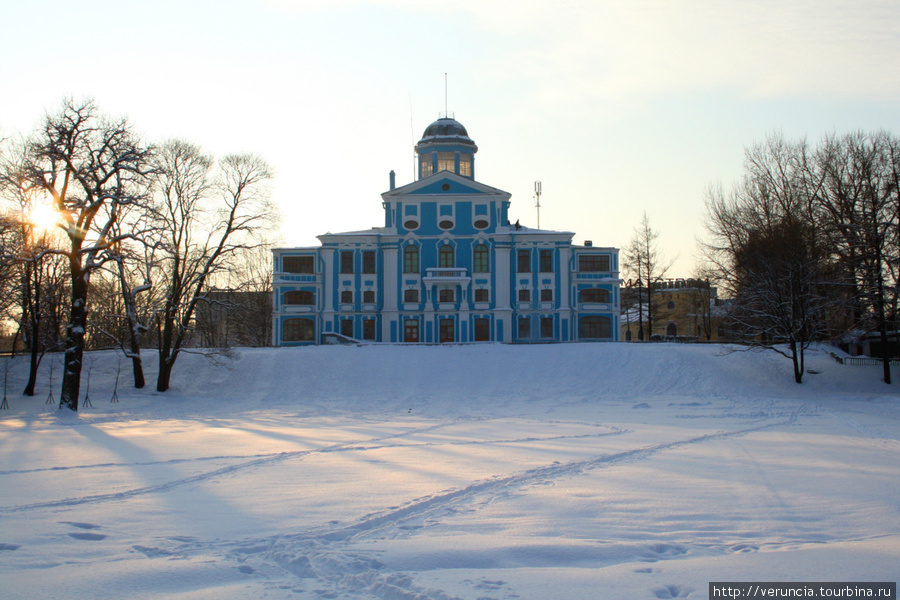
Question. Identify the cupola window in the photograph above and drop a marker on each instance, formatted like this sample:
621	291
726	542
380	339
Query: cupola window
446	161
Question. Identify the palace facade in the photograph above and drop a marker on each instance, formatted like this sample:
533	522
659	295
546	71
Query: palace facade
446	266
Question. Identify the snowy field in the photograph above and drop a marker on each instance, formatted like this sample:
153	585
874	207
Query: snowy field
570	471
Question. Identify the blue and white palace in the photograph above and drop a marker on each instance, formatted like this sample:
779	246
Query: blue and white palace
447	266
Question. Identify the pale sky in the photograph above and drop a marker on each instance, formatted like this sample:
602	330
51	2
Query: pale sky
617	107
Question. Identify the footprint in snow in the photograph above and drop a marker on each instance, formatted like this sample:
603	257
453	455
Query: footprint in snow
92	537
671	591
80	525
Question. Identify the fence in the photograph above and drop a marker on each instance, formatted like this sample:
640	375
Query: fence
863	360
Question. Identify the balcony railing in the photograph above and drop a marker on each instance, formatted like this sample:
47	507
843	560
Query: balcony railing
446	275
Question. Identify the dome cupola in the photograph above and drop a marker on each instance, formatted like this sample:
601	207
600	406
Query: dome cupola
446	146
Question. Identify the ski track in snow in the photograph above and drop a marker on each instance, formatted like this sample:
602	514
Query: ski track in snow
325	554
352	559
266	460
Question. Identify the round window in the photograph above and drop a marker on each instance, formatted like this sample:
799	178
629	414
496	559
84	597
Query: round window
446	224
446	187
411	224
481	224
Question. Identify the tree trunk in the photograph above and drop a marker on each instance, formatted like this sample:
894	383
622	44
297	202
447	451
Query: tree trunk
71	383
797	358
33	368
165	373
137	366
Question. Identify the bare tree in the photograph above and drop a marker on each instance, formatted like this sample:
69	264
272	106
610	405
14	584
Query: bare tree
207	219
648	267
768	248
89	167
860	205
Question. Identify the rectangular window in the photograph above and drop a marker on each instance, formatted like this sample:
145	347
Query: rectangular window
482	330
445	296
410	330
369	329
465	165
298	264
369	297
593	262
546	261
482	295
524	295
524	328
346	261
446	161
298	330
424	166
480	262
446	257
410	295
524	261
546	295
369	261
346	297
547	327
411	259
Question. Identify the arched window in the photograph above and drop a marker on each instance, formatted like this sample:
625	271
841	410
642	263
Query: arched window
671	330
594	328
411	259
298	330
481	262
593	295
299	297
446	258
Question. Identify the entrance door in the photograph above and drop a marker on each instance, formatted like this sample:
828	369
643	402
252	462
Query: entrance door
410	331
446	330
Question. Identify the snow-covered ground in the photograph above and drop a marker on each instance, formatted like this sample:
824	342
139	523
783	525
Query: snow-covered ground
575	471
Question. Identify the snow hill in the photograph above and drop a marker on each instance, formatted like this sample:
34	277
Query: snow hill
443	472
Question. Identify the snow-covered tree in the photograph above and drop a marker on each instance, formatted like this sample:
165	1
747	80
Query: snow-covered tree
88	167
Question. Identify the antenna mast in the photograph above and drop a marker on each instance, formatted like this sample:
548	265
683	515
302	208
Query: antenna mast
446	110
537	204
412	138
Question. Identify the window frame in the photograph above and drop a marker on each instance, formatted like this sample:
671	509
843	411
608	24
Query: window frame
293	324
594	296
594	263
546	327
301	264
446	257
411	259
594	324
307	297
346	262
523	261
481	259
546	260
369	262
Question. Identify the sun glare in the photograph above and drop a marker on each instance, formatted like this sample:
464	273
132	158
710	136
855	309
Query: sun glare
43	216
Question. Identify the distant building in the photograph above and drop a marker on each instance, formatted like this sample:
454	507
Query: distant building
446	266
682	309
